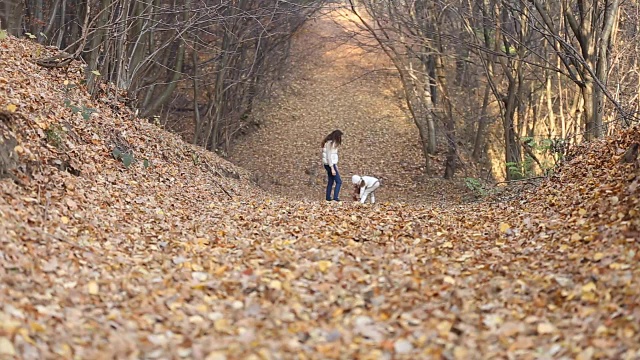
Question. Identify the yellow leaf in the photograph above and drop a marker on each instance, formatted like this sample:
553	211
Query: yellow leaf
546	328
589	287
447	245
444	327
492	320
41	124
8	325
586	354
582	212
64	220
504	227
460	353
63	350
221	325
275	284
216	355
219	271
66	82
18	149
602	330
337	313
324	265
618	266
93	288
598	256
25	335
576	237
36	327
6	347
449	280
12	108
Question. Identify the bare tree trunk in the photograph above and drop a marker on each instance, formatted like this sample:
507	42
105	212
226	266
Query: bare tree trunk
512	150
197	122
96	42
550	111
589	111
429	91
52	19
478	144
11	14
173	82
63	28
449	120
38	20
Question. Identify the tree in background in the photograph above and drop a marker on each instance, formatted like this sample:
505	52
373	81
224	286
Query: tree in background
210	59
543	68
505	83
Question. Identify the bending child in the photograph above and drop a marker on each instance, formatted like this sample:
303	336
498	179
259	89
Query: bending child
365	186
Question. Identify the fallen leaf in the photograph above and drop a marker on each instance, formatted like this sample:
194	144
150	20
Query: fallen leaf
93	288
546	328
199	276
323	265
521	343
589	287
275	284
221	325
586	354
216	355
402	346
50	266
511	328
6	347
460	353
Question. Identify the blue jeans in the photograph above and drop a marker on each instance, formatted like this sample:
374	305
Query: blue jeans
331	179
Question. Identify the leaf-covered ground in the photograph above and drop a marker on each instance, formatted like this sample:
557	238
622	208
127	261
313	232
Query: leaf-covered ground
186	258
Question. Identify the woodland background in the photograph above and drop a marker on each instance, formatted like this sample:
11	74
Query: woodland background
508	85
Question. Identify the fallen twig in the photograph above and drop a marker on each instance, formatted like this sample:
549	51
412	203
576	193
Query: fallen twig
217	183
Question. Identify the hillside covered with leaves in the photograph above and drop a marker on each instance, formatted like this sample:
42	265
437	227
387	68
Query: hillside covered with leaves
118	240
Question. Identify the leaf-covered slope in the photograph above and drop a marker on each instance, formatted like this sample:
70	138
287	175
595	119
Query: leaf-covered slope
159	262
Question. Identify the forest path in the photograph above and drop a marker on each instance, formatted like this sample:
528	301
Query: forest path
103	261
336	82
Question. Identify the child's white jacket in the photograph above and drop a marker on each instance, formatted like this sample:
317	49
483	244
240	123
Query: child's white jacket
369	182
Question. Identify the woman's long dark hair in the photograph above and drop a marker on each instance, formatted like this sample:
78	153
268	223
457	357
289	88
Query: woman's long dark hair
335	136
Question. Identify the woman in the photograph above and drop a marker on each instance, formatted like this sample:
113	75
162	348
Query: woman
330	146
